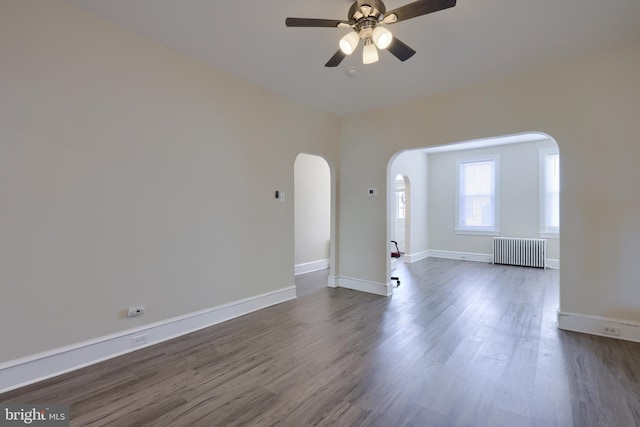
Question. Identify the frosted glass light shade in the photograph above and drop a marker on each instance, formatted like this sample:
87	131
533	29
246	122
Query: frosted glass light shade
349	43
369	53
382	37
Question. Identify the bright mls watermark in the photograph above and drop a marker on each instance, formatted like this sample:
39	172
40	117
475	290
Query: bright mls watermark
15	414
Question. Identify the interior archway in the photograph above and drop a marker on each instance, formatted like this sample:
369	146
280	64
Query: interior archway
521	210
314	216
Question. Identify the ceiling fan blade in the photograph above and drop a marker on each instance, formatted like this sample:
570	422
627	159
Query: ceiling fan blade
419	8
400	50
311	22
336	59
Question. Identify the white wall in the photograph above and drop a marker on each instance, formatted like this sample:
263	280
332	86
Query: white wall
519	194
132	174
414	166
312	216
589	105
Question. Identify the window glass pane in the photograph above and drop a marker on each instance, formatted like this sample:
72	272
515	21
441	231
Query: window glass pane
400	197
554	212
553	172
400	204
477	190
477	211
552	191
478	178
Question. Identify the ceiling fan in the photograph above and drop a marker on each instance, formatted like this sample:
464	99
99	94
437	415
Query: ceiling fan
367	19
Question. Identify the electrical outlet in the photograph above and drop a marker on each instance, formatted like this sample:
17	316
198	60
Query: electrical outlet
136	310
611	330
139	340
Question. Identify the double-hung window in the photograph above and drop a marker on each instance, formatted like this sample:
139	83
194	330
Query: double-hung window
549	193
477	201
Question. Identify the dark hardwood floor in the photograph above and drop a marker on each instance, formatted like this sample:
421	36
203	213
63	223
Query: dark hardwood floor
458	344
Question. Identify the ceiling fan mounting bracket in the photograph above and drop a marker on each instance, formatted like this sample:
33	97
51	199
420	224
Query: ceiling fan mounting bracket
364	16
375	11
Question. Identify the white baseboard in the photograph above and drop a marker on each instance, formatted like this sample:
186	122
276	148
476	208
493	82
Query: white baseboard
308	267
28	370
332	282
416	256
462	256
365	286
595	325
466	256
552	263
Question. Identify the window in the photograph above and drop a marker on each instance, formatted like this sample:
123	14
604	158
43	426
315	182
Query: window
549	192
400	204
400	198
477	210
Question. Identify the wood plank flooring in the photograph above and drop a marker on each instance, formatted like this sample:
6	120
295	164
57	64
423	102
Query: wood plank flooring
458	344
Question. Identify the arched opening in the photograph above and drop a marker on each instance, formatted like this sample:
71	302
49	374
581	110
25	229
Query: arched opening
314	224
454	221
401	230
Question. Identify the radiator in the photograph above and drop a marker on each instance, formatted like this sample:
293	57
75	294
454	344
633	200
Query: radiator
519	251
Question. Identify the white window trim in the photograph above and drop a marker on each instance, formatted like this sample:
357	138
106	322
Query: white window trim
545	232
479	231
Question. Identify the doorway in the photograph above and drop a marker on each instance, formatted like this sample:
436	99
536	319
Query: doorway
526	197
312	215
401	212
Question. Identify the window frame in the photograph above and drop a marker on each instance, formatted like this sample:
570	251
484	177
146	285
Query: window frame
545	230
479	230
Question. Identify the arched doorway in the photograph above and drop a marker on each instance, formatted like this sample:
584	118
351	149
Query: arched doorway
313	218
401	212
528	191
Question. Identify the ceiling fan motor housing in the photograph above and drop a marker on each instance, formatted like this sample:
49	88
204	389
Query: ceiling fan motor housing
364	16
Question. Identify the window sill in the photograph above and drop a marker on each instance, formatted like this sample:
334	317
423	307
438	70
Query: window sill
477	233
547	235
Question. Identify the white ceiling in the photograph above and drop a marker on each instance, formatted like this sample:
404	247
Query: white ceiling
472	42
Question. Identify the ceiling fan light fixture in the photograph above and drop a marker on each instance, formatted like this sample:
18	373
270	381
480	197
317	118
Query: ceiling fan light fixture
390	19
364	18
349	43
369	53
382	37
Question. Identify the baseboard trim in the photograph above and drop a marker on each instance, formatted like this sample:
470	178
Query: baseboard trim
31	369
365	286
552	263
462	256
595	325
332	282
416	256
466	256
308	267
